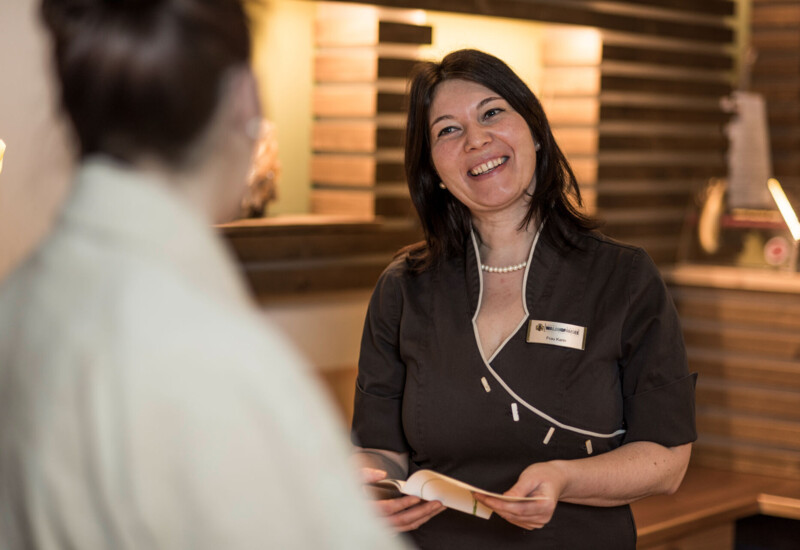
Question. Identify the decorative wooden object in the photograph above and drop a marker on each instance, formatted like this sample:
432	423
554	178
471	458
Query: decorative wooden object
363	57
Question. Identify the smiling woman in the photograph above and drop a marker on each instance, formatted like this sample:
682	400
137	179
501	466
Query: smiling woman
458	372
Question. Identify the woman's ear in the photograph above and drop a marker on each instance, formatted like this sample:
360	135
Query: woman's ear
243	90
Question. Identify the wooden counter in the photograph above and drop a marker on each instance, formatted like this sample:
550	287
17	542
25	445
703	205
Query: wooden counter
703	512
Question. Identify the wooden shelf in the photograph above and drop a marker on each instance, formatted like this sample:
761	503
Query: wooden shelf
709	499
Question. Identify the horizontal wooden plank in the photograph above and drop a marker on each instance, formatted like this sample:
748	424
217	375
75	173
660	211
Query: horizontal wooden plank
581	140
665	86
577	14
716	144
316	276
346	26
346	66
394	207
389	172
757	309
572	110
571	46
344	100
770	38
743	368
389	102
643	200
776	63
727	454
735	397
404	33
356	202
344	136
395	67
776	15
343	169
781	343
707	7
632	172
570	81
390	137
671	58
757	430
632	226
330	241
618	112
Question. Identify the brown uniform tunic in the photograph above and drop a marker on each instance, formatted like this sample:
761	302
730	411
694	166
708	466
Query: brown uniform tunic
422	383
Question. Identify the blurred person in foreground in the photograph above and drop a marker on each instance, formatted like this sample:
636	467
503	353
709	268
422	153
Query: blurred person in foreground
143	402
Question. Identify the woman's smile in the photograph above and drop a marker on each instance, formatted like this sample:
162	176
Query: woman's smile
488	166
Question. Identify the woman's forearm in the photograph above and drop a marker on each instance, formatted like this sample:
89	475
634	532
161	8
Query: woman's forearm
626	474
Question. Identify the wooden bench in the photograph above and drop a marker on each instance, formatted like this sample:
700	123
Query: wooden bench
703	512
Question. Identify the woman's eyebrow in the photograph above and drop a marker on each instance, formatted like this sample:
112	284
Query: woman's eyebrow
481	103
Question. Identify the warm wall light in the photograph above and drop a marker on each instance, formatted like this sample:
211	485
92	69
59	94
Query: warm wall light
2	152
788	213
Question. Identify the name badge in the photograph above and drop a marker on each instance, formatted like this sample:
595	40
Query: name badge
556	334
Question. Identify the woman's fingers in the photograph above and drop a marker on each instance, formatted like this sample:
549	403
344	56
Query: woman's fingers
528	515
415	516
408	512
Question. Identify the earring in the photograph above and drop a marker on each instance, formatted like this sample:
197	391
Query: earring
442	185
537	146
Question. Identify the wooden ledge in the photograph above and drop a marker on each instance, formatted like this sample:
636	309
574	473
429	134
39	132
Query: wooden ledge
710	498
733	278
303	254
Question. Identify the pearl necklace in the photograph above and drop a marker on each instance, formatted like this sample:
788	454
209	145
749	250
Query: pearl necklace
506	269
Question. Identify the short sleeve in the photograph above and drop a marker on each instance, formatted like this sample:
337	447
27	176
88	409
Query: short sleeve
377	412
658	391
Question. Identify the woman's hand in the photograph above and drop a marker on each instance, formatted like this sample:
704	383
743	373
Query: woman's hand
538	480
405	513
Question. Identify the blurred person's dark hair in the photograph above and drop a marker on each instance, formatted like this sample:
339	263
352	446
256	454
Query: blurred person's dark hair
445	221
119	59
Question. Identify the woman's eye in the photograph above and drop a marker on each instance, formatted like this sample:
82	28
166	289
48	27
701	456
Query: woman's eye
492	112
446	130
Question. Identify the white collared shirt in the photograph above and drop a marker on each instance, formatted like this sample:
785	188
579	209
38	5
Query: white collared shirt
144	403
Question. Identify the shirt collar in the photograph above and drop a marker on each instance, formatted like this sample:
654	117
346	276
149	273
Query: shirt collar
144	215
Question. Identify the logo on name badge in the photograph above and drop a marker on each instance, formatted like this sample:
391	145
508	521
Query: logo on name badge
557	334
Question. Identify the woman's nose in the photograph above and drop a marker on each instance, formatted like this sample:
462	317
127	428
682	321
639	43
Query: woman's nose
476	137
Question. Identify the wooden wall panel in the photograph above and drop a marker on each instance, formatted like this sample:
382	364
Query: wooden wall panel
358	106
776	74
745	346
661	136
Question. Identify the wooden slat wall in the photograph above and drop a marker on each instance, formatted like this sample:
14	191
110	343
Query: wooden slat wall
661	132
775	36
665	65
570	95
745	345
363	56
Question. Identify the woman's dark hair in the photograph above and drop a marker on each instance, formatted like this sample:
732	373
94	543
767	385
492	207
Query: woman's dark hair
445	221
143	76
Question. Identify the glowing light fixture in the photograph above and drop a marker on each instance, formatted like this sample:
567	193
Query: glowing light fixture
2	152
788	213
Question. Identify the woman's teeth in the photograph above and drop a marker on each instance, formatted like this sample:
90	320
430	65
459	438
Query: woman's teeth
487	166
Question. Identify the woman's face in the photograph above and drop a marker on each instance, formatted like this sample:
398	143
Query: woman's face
482	149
